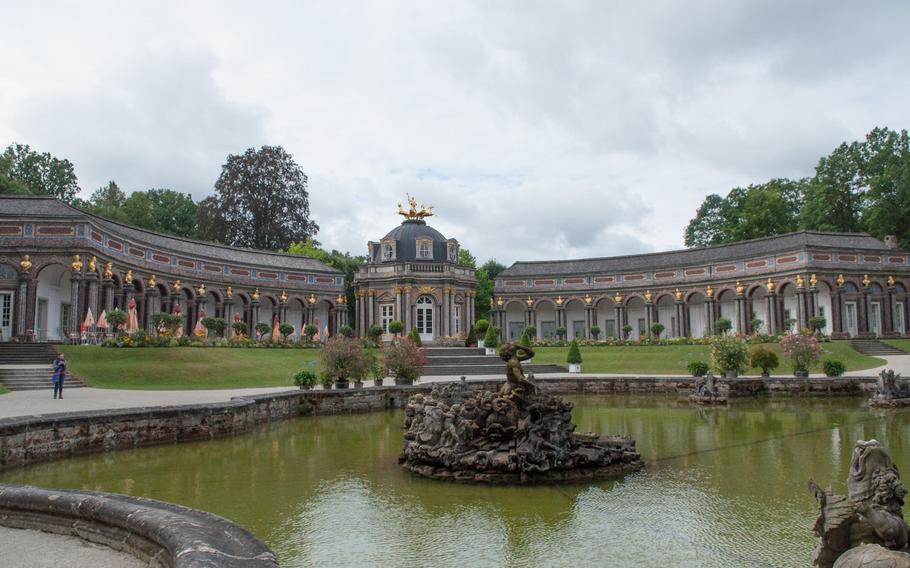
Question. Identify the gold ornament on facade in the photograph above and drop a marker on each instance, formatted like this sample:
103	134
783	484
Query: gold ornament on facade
770	285
92	267
407	289
152	282
588	299
371	292
413	213
840	280
256	295
339	300
109	270
890	281
678	294
312	298
229	293
76	265
128	279
709	292
25	263
618	298
559	301
283	298
813	280
200	291
529	301
800	281
648	296
740	289
426	290
500	302
176	285
866	281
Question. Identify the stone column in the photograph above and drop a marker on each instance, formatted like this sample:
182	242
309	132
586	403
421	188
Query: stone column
802	321
227	306
398	315
709	314
406	309
618	308
152	306
771	302
742	324
446	313
254	316
371	308
107	286
837	310
75	295
589	320
863	308
91	284
283	312
680	330
813	302
26	304
649	317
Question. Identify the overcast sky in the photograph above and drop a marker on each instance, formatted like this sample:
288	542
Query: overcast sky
539	130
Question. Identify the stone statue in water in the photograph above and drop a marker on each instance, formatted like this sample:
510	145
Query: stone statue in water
514	435
867	527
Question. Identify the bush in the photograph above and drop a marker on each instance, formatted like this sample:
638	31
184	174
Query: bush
306	379
239	327
263	329
415	337
531	331
595	331
755	324
803	350
728	353
471	340
374	333
404	359
396	327
491	339
285	330
657	329
525	339
116	318
214	325
481	326
346	331
764	359
722	326
833	368
561	333
626	331
310	331
816	324
344	359
574	357
698	368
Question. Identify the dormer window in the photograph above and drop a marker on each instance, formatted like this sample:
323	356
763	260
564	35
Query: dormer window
425	249
387	249
453	253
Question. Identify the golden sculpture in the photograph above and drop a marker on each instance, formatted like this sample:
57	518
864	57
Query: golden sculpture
648	296
618	298
76	265
229	293
529	301
890	281
283	298
92	267
678	294
200	291
813	281
800	281
108	270
176	285
25	263
413	212
491	302
709	291
588	299
866	281
559	300
128	279
840	280
152	282
256	295
500	302
740	289
339	300
423	290
312	298
770	286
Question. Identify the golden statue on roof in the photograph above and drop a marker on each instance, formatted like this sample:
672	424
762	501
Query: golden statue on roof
413	212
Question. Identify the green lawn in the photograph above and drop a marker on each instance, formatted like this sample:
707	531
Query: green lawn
903	344
3	390
186	367
672	359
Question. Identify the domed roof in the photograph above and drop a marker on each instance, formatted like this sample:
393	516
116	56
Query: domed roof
406	236
412	229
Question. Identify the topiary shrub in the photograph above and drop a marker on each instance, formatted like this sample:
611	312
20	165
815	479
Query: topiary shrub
728	354
239	327
722	326
415	337
626	332
471	340
561	333
531	331
595	331
698	368
346	331
574	357
491	339
764	359
374	333
396	327
116	318
310	331
263	329
481	326
285	330
755	324
817	324
656	329
833	368
214	325
525	339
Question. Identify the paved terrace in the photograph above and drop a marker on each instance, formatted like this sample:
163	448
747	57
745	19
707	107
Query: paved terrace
25	403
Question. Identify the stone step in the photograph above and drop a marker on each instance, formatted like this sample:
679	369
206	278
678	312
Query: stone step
498	370
453	351
464	360
874	347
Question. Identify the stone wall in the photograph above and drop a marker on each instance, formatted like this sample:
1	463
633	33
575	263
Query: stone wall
161	534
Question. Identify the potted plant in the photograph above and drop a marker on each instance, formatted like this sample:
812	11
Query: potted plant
377	369
239	328
491	340
343	359
755	325
262	330
305	379
817	324
471	339
375	333
346	331
215	326
595	331
833	368
789	323
309	332
480	326
396	328
764	359
405	360
698	368
728	354
656	329
285	330
561	333
116	318
626	332
803	351
574	358
415	337
722	326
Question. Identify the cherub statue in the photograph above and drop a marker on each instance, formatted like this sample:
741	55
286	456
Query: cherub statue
513	355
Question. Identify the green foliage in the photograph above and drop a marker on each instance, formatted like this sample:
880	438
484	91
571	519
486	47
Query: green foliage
755	324
531	331
486	277
656	329
595	331
817	323
574	357
764	359
722	326
214	325
561	333
347	264
239	327
525	339
263	329
698	368
481	326
116	318
26	171
471	340
728	353
310	331
374	333
465	258
404	359
491	339
306	379
833	367
396	327
285	330
415	337
346	331
344	359
626	331
803	350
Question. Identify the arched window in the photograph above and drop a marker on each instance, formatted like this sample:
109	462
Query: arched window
388	253
424	250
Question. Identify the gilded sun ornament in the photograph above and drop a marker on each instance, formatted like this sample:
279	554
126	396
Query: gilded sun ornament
413	212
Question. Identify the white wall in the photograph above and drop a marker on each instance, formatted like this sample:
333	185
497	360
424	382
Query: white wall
54	286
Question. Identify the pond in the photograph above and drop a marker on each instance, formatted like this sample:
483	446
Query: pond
722	487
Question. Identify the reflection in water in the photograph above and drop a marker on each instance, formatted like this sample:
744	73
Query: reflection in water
723	487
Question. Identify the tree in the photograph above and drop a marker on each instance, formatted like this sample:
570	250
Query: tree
107	201
834	196
162	211
262	198
706	228
885	168
465	258
210	225
347	264
486	276
24	170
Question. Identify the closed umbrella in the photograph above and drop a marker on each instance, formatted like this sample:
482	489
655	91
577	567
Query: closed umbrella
276	335
132	318
89	319
102	320
200	330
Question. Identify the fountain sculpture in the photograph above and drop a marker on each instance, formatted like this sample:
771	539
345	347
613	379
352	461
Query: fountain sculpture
514	435
890	391
867	527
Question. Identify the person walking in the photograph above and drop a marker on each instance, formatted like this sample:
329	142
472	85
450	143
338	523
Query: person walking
59	374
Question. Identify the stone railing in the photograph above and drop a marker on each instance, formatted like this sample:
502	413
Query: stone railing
157	533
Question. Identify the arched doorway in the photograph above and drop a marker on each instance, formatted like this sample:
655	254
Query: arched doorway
425	318
53	310
8	285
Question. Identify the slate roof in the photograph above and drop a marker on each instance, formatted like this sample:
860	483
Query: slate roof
697	256
406	236
50	209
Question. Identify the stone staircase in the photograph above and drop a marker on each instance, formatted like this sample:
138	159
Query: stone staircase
29	366
458	361
874	347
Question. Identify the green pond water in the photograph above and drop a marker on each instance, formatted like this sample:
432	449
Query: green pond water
722	487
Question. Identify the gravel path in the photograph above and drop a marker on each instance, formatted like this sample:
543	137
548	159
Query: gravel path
35	549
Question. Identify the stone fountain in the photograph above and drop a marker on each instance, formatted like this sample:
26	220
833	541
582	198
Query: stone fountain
865	529
516	435
890	391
